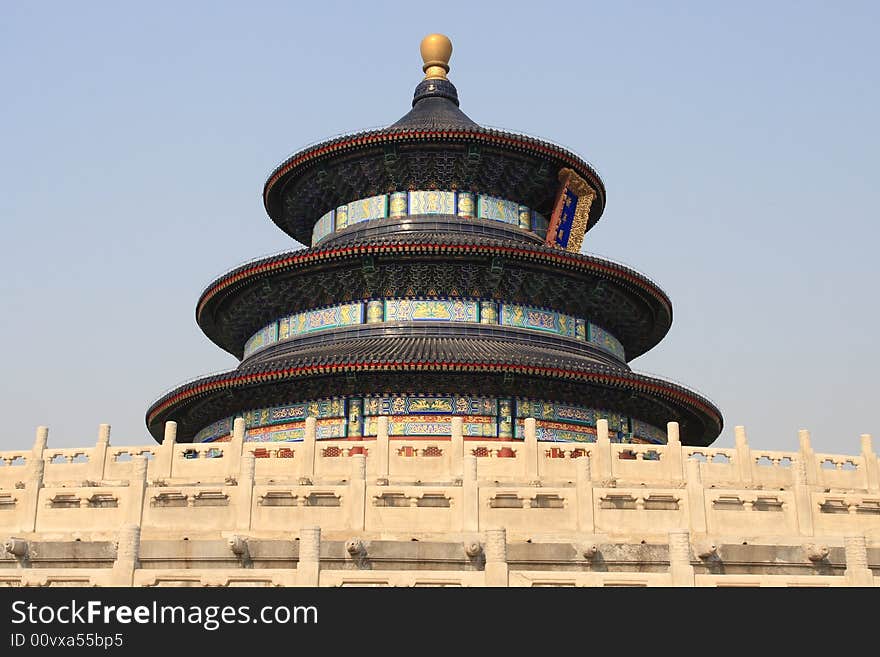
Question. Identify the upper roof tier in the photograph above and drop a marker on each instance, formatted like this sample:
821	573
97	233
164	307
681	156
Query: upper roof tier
436	146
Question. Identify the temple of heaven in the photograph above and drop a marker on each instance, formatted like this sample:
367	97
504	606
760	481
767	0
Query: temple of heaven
444	277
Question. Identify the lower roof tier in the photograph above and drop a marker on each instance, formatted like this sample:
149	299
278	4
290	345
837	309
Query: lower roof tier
433	365
420	265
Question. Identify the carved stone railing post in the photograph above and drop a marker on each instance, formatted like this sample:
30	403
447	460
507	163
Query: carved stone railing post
857	572
586	517
497	571
382	447
357	492
165	453
33	488
696	497
808	457
137	491
872	467
743	454
470	496
530	449
308	568
680	558
672	455
602	465
456	447
233	450
127	553
246	491
98	456
802	497
40	441
308	447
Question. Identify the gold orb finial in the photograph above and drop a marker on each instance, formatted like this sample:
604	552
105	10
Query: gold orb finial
436	50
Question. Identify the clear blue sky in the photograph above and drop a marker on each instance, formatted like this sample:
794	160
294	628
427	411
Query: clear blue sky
738	143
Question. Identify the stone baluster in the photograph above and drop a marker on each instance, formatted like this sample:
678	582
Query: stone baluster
872	466
40	440
245	491
308	448
308	568
357	492
808	457
98	457
456	447
137	490
743	454
802	497
470	496
165	453
232	451
382	447
127	555
586	513
672	456
33	490
680	558
530	449
857	572
696	497
603	465
497	570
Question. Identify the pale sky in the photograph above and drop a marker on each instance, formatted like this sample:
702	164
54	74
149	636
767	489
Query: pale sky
738	143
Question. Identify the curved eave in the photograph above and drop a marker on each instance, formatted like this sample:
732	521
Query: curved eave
349	145
259	271
271	374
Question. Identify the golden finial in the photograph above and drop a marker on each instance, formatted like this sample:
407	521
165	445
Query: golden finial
436	50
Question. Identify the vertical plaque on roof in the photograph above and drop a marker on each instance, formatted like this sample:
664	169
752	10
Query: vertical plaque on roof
568	223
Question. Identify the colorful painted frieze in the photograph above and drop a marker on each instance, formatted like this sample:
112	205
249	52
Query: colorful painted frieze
397	204
412	405
466	205
214	431
647	433
262	338
539	224
432	425
326	318
365	209
488	312
497	209
341	215
375	311
605	341
431	202
417	310
525	218
558	432
555	411
537	319
323	227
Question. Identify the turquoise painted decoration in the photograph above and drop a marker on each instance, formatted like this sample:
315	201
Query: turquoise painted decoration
537	319
262	338
323	227
420	310
375	207
432	202
605	341
497	209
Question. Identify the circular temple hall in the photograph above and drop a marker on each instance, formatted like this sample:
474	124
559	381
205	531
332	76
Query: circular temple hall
443	278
